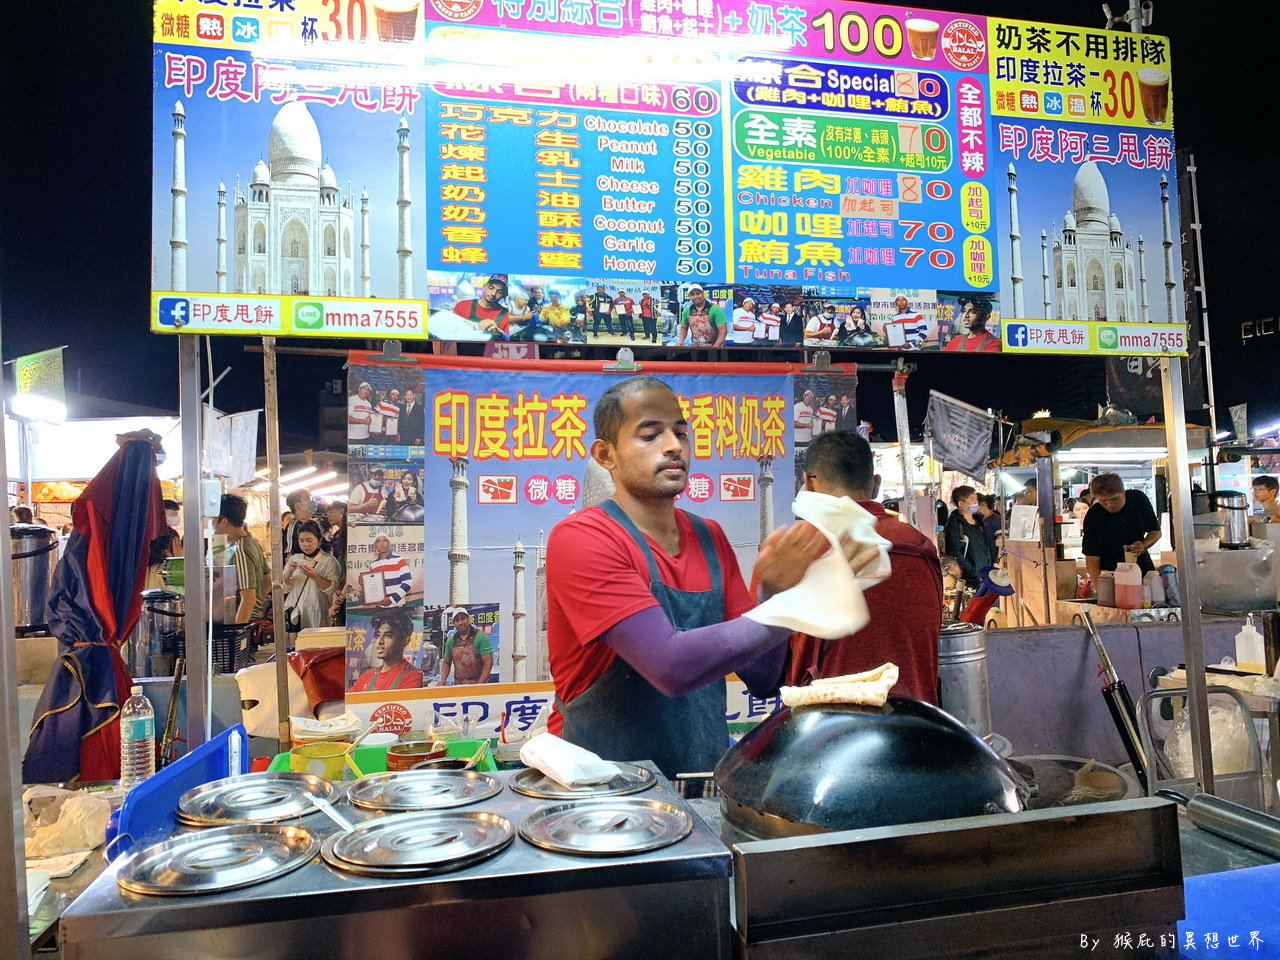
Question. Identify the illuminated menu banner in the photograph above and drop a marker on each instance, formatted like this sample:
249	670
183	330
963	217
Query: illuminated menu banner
869	169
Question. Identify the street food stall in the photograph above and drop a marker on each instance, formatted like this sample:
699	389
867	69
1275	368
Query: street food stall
534	211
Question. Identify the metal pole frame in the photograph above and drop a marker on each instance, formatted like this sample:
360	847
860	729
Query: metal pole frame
15	925
1175	430
272	413
903	422
195	621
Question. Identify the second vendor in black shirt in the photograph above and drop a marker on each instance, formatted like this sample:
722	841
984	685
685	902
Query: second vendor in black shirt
1120	520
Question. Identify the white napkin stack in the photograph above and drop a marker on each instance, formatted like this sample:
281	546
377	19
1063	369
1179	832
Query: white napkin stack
828	602
566	763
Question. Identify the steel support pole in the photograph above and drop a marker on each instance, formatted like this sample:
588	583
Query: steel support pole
195	621
15	935
272	413
1175	431
903	423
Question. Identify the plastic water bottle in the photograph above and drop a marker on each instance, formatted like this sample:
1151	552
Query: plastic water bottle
137	740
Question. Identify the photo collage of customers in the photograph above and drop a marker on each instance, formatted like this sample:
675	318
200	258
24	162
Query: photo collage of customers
394	640
624	312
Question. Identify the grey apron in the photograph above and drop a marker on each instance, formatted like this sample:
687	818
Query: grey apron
621	716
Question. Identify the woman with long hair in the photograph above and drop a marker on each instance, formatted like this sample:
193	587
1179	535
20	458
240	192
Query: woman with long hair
310	577
403	494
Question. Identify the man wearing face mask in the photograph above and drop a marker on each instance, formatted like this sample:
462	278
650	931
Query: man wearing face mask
174	519
964	538
823	326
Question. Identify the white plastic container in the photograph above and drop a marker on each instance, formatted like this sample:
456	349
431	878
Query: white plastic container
137	740
1154	583
1128	586
1249	650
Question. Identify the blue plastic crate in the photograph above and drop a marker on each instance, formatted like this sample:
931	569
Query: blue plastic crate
148	811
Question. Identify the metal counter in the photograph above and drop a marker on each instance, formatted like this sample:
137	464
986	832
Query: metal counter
524	902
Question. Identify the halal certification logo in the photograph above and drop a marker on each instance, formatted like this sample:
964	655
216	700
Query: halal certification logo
457	11
964	44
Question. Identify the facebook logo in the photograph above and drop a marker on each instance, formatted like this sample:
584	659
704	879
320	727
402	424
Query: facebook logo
1016	334
175	311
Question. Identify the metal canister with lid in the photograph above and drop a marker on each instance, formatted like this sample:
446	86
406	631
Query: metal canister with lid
963	686
34	550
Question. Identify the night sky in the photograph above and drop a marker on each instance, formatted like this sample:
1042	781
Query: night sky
75	93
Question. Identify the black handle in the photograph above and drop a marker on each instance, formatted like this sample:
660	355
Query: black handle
47	548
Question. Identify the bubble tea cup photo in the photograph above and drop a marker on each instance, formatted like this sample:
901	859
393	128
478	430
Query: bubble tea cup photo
396	20
922	37
1153	89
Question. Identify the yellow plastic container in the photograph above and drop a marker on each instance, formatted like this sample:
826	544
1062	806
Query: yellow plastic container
327	758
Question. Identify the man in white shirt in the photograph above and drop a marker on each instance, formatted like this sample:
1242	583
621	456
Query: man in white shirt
359	413
742	328
802	421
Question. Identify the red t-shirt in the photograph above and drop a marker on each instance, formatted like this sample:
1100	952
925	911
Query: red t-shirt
597	577
404	677
906	618
476	310
984	344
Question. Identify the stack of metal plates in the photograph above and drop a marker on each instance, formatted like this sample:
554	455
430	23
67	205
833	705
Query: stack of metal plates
212	861
253	798
418	844
402	790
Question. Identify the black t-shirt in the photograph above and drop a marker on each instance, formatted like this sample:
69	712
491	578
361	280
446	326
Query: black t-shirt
601	304
1105	534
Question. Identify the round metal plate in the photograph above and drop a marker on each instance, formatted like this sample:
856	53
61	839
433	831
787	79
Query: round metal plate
422	790
423	841
394	873
253	798
606	828
225	858
534	783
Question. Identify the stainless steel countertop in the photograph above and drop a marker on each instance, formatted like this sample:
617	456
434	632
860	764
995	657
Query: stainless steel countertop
317	889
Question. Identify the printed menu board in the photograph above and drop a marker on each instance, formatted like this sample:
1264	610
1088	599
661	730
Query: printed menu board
852	175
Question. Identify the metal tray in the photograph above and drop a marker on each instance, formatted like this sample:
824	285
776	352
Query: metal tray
264	797
421	842
606	828
402	790
211	861
534	783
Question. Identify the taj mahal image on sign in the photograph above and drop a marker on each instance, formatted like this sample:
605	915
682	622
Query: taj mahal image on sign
295	228
1093	268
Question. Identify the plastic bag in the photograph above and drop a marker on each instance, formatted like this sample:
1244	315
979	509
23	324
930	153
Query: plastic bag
1227	735
81	825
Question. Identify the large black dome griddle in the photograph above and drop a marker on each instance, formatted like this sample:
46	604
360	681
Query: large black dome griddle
847	767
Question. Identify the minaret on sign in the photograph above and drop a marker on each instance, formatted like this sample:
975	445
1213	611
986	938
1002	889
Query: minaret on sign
404	248
1143	306
1044	275
542	667
764	482
365	274
1166	240
178	191
222	238
459	555
518	650
1015	245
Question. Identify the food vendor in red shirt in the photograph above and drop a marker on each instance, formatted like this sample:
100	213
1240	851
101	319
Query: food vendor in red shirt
645	602
905	609
974	314
487	311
